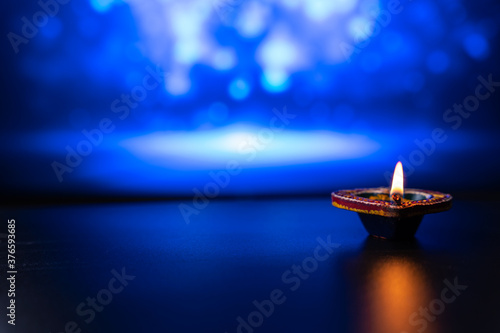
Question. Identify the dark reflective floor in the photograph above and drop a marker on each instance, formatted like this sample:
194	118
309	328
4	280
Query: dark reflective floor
295	265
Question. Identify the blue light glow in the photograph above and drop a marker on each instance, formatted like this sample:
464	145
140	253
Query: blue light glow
239	89
227	65
224	59
319	10
476	46
181	34
214	148
253	19
278	52
187	51
360	28
275	81
426	18
178	83
102	5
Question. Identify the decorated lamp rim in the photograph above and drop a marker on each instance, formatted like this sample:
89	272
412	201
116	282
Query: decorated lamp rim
376	201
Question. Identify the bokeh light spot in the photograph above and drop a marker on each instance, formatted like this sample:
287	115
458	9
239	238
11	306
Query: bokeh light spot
239	89
476	46
101	6
253	19
178	84
275	81
224	59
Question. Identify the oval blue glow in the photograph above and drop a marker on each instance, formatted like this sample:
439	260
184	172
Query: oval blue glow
476	46
239	89
213	148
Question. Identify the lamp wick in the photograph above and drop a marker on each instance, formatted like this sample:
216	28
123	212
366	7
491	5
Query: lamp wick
396	198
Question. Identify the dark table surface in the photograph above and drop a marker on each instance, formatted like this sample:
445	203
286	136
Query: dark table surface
290	265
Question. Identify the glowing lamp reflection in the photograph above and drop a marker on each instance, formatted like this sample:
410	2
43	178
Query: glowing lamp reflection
397	288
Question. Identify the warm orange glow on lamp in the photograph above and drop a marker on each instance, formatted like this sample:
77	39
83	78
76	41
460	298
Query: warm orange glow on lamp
393	214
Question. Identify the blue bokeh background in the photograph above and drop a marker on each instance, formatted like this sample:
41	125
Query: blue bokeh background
240	97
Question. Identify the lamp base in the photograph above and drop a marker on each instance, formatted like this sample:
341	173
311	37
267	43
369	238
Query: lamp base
391	227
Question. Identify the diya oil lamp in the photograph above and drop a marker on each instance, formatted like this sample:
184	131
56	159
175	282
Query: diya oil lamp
393	213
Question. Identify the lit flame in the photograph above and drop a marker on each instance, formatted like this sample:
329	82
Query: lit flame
398	181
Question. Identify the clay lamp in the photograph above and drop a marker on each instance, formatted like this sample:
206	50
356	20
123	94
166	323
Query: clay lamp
393	213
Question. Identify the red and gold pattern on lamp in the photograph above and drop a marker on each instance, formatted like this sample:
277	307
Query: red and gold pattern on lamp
395	213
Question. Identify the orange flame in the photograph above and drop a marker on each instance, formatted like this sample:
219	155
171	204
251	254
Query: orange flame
398	181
